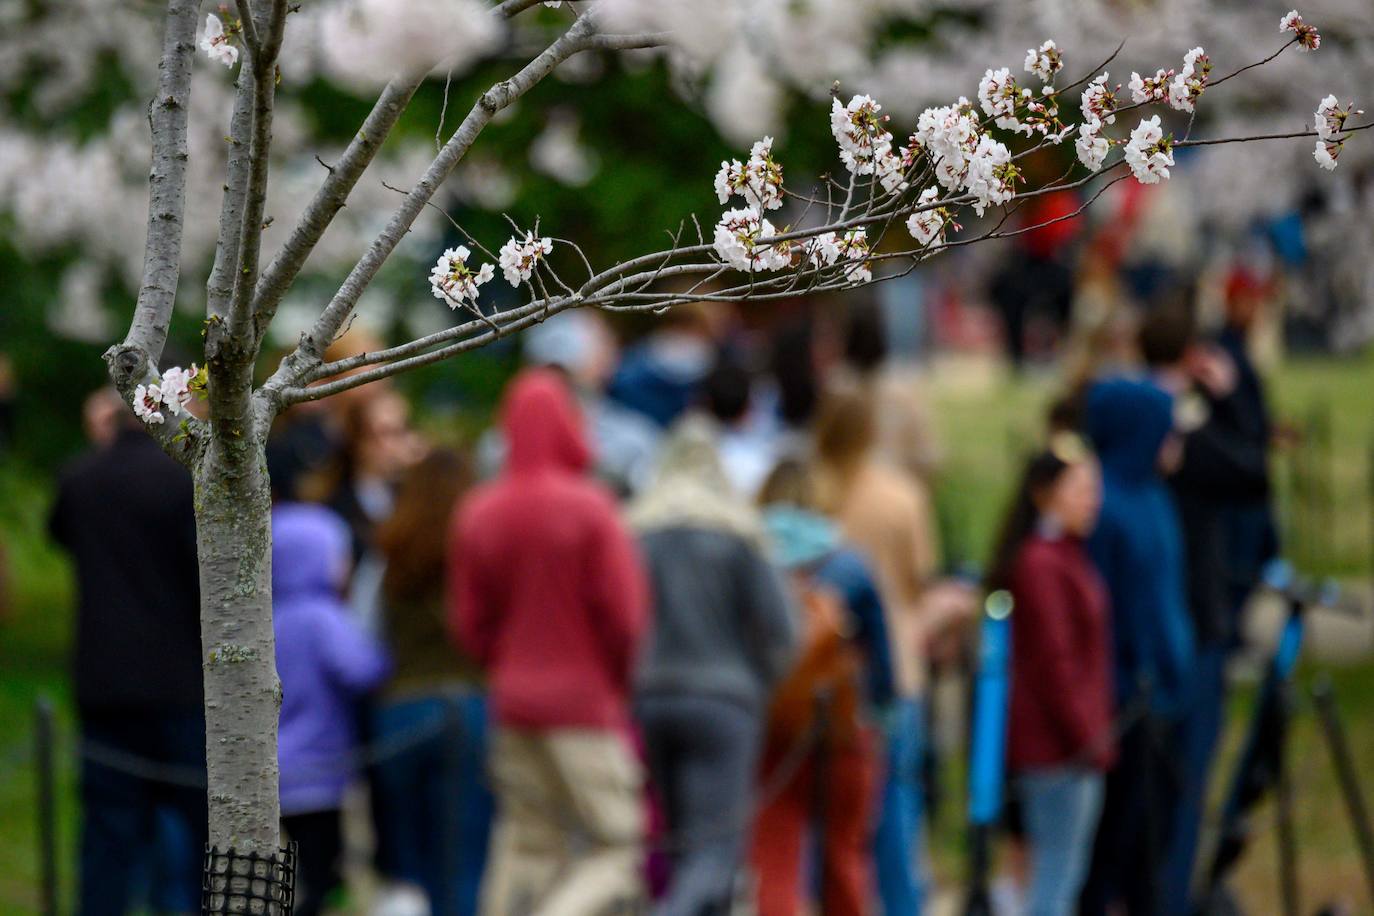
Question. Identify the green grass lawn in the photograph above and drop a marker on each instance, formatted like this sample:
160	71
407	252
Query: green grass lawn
986	421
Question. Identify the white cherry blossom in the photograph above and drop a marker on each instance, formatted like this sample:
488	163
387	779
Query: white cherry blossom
1326	153
926	226
737	242
518	257
175	387
1146	89
1329	119
1148	153
1045	61
859	130
454	282
215	43
853	247
1191	80
148	404
1099	102
1091	146
758	181
991	175
1308	37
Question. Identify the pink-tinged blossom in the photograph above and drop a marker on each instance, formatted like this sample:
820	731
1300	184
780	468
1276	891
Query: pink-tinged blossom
891	173
1099	102
454	282
215	42
991	177
1191	80
737	242
758	181
175	387
999	95
148	404
853	248
1329	119
822	250
518	257
1149	153
1308	37
829	249
859	130
1146	89
1045	61
930	225
1092	148
949	134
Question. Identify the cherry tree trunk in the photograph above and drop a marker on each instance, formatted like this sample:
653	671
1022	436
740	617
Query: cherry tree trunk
242	693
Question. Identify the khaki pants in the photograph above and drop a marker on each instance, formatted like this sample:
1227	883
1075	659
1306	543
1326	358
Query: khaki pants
570	825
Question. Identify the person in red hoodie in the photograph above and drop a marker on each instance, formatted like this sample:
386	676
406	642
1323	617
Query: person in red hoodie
1061	741
547	593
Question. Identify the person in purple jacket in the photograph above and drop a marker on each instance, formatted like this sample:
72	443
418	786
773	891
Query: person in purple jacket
325	660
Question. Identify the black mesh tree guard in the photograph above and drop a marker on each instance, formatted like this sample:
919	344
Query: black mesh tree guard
253	883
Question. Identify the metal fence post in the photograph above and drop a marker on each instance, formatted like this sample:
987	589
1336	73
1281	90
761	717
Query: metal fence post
47	808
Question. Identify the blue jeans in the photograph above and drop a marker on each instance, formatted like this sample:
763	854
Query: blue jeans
123	800
1060	807
436	799
1197	735
897	845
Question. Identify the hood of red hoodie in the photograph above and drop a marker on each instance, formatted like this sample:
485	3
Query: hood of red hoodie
543	425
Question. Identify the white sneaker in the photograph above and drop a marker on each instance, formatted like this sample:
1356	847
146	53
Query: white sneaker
400	900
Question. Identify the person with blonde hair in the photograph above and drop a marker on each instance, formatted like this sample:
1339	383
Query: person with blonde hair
723	636
887	514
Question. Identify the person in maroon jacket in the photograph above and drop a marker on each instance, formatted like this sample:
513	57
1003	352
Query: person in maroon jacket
547	593
1061	741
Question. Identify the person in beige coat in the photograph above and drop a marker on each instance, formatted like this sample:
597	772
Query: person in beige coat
888	514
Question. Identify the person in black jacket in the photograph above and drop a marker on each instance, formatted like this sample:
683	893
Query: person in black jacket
125	513
1220	470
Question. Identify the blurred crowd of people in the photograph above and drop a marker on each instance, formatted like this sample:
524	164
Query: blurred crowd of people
668	630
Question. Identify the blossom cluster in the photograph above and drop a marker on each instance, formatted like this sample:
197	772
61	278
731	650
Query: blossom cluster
1044	61
1329	122
1191	80
929	225
215	41
518	257
1099	104
758	181
1149	153
829	248
738	242
1307	36
454	282
1019	109
170	394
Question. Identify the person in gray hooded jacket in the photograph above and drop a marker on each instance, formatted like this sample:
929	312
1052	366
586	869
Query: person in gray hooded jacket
723	635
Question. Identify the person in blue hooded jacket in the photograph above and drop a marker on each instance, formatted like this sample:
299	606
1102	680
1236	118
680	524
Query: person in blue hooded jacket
325	661
1138	548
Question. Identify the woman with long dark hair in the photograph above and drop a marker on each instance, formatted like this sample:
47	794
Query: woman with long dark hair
1061	740
434	792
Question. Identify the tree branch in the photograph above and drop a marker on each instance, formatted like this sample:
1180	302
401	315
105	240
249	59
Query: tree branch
310	350
220	286
330	198
167	115
264	63
624	42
